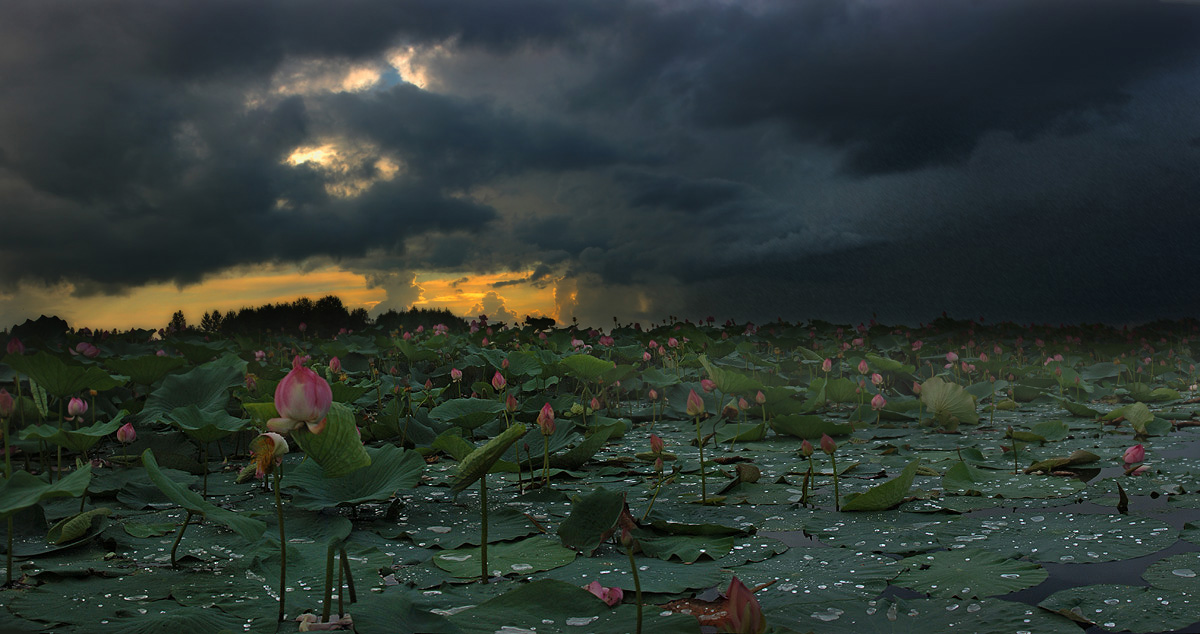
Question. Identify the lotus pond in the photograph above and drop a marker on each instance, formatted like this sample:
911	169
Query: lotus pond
958	477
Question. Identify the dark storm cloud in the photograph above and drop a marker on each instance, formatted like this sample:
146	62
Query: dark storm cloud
898	85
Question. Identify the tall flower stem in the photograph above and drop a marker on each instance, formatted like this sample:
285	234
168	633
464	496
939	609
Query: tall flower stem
703	480
546	459
837	497
483	531
327	604
179	536
637	585
282	545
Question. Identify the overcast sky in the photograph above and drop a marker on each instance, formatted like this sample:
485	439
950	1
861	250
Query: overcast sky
1012	159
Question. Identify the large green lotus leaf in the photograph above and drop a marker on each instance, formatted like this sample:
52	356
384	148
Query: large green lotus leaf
203	426
206	387
585	367
200	351
306	569
467	413
59	378
1191	532
808	426
249	528
883	532
842	390
23	490
391	469
80	439
1118	608
888	365
592	516
965	479
1075	409
1177	572
81	602
883	496
818	577
685	548
455	526
737	432
393	610
610	567
578	455
1102	370
523	557
968	573
905	616
337	449
554	606
1051	430
1062	537
1137	414
171	620
145	370
949	403
730	381
477	464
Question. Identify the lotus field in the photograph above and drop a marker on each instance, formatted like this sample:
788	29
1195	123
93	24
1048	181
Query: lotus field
957	477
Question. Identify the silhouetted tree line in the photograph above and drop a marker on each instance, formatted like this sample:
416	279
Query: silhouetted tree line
322	318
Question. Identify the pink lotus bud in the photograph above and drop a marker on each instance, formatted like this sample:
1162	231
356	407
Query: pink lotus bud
656	443
268	450
260	356
983	357
997	350
646	356
806	448
428	384
827	444
303	326
951	356
545	420
658	465
420	329
335	365
672	342
504	364
126	434
455	374
406	336
917	345
863	368
760	398
160	353
510	404
745	615
877	402
876	379
1134	454
594	404
15	346
652	345
498	381
707	385
301	398
87	350
695	404
653	394
7	404
916	388
742	404
611	596
77	407
827	365
484	342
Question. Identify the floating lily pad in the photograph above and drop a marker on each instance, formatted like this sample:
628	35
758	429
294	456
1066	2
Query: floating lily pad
391	470
968	573
1177	572
903	616
1126	608
522	557
1061	537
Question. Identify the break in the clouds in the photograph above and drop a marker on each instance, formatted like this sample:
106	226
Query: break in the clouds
1024	159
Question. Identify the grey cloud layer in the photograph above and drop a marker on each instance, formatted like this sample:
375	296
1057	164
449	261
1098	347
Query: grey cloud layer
759	158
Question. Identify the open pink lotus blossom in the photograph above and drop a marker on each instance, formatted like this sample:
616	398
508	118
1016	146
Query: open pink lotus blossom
77	407
302	398
455	374
611	596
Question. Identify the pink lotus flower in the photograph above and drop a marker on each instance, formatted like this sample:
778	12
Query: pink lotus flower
760	398
268	450
742	404
917	345
656	443
863	368
707	385
498	381
126	434
1135	454
611	596
646	356
455	375
827	365
951	356
652	394
744	615
260	356
77	407
7	404
827	444
876	379
594	404
877	402
510	404
15	346
672	342
916	388
695	404
806	448
545	420
87	350
303	326
302	398
335	365
160	353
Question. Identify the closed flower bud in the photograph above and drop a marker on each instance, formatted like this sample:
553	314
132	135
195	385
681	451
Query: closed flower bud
827	444
77	407
545	420
695	404
126	434
301	398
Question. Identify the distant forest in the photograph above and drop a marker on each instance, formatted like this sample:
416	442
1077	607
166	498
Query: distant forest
323	318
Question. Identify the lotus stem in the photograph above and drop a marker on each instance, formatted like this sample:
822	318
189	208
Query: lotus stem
703	480
349	576
178	536
483	531
327	603
637	586
545	459
9	563
341	581
837	496
282	545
